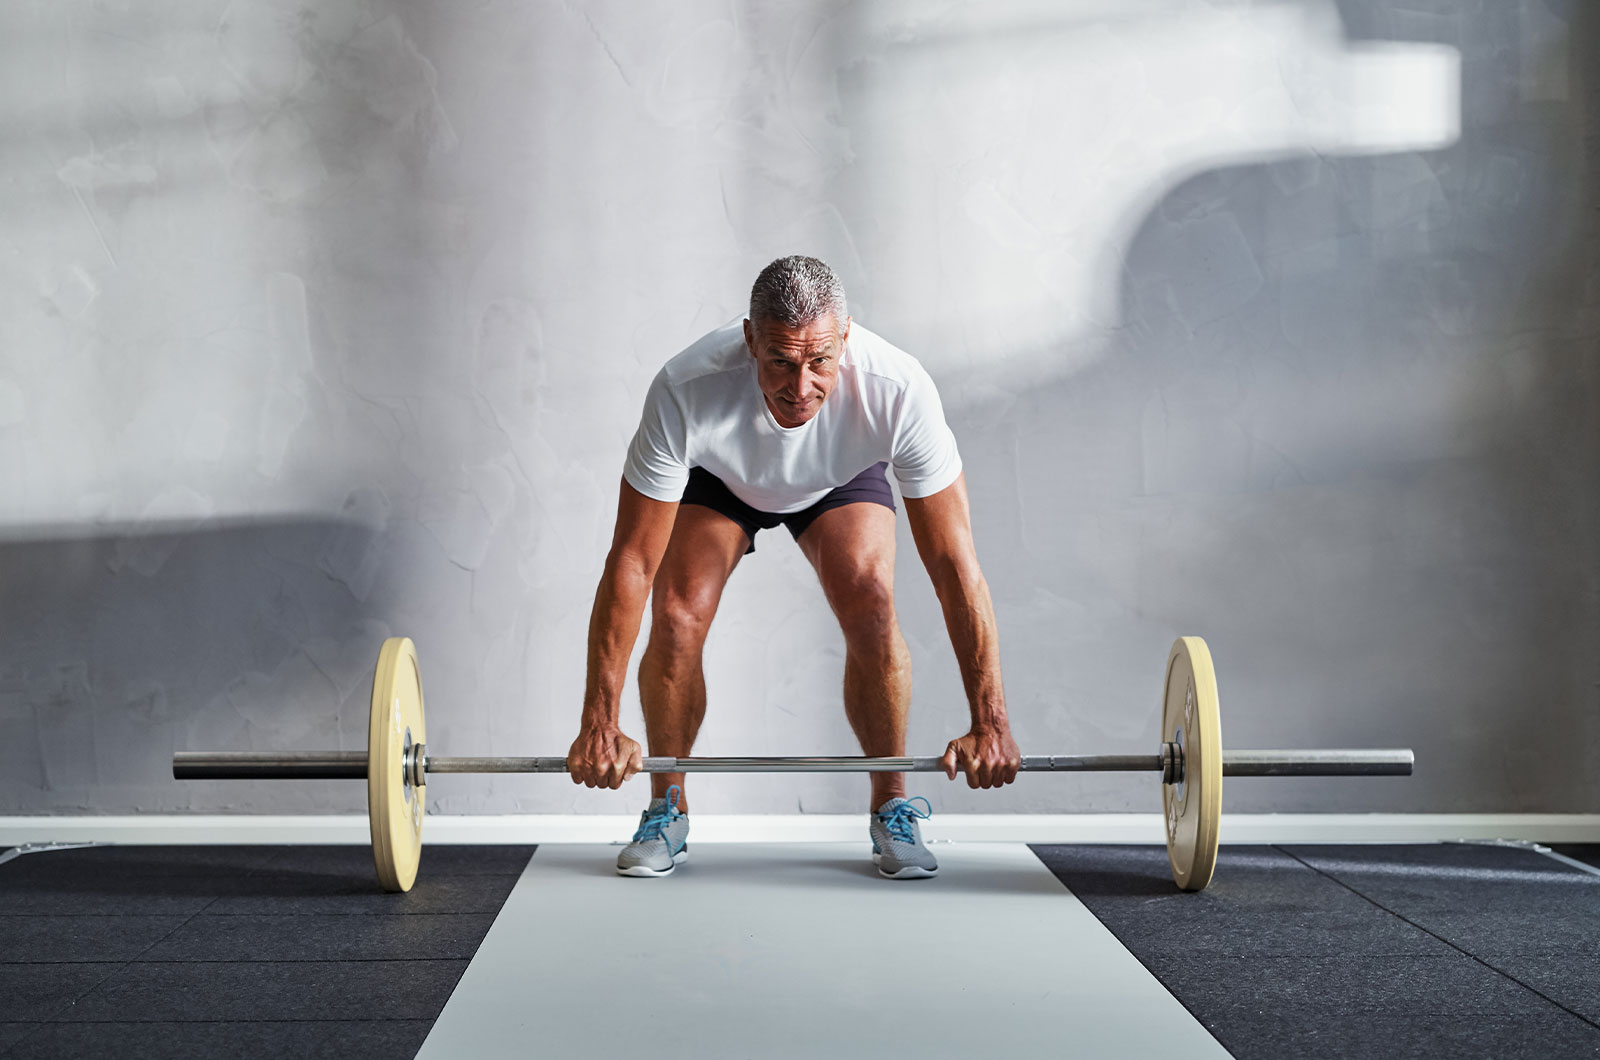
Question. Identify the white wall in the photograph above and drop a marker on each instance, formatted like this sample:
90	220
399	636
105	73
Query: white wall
1272	322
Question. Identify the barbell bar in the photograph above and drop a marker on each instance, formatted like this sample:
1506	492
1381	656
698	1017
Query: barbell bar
1190	760
352	765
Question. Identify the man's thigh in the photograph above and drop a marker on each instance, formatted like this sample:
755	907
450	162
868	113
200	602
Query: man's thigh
852	549
704	548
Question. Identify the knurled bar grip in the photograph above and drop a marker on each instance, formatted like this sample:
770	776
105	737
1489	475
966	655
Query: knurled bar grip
352	765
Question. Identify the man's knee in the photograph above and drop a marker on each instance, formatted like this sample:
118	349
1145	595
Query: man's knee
864	601
680	617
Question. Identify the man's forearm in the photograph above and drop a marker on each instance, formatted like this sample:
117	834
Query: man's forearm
969	616
613	628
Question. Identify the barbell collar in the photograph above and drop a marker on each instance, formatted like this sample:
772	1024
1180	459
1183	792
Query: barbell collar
352	765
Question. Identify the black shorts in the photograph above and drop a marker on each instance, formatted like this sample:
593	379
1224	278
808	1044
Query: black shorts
709	491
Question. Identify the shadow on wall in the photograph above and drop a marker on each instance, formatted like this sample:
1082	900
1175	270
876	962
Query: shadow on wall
120	650
1346	432
1030	231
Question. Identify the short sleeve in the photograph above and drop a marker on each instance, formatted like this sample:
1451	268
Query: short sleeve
925	456
657	464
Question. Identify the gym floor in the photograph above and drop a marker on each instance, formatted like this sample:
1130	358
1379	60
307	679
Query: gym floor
1460	950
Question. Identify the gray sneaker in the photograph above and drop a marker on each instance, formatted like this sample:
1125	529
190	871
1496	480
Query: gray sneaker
897	847
662	842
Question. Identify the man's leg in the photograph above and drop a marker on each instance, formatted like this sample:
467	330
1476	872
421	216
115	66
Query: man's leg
704	548
852	549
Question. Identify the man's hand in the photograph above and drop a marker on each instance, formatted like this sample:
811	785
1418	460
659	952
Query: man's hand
989	757
603	758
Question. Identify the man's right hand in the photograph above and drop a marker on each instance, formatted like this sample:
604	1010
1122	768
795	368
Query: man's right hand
603	758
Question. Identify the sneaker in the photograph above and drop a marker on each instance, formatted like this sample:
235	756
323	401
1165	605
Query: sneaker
662	842
897	847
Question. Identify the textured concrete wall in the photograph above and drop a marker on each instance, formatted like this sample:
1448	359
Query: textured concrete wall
1272	322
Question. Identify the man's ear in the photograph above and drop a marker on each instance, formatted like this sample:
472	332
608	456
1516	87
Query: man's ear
749	337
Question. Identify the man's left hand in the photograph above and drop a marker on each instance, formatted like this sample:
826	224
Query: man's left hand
988	756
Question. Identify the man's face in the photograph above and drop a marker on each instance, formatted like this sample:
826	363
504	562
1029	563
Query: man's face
796	367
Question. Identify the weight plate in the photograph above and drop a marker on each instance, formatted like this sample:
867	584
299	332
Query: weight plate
1190	718
394	805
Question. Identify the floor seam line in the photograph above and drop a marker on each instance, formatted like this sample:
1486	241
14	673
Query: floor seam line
1497	971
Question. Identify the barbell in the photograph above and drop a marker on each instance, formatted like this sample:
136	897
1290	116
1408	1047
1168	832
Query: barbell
1189	758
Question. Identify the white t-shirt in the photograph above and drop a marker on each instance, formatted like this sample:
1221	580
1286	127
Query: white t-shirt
705	409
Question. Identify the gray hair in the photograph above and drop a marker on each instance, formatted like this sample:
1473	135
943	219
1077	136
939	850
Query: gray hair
796	291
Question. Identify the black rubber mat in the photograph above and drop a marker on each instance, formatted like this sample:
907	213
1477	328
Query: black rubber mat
1448	950
236	951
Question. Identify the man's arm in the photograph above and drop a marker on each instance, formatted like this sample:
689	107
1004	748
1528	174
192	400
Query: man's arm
602	756
941	524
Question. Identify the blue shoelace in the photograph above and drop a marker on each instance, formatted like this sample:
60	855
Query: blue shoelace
655	820
898	821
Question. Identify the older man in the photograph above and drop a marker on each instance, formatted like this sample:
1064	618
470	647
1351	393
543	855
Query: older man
790	418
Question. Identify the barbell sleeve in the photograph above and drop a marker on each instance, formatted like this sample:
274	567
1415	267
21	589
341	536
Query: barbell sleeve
1393	762
269	765
325	765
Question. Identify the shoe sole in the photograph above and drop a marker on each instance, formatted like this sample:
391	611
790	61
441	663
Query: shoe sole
910	872
646	871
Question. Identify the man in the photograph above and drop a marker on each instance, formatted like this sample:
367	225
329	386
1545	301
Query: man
790	419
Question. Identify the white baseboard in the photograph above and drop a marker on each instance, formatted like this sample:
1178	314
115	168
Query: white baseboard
809	828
